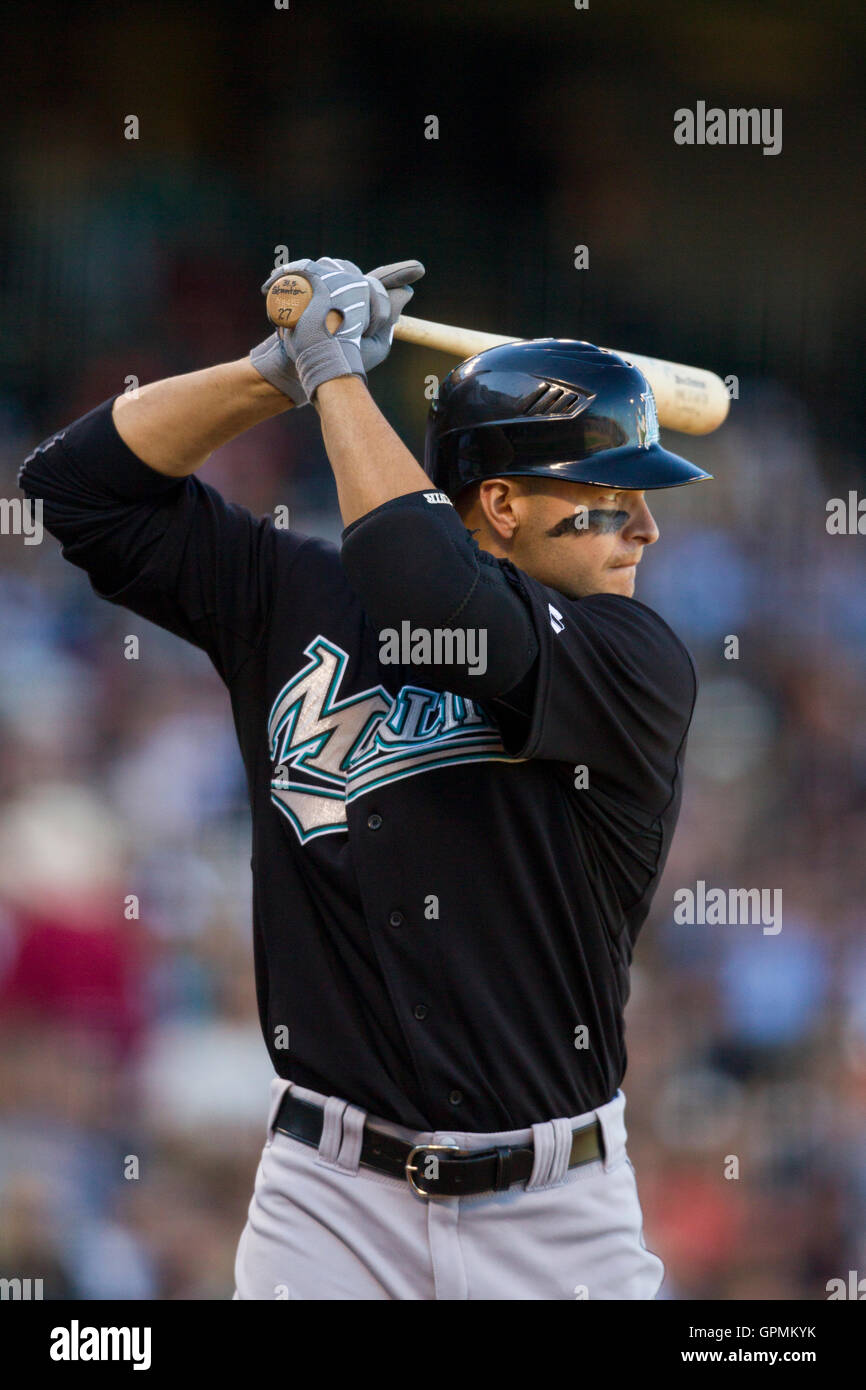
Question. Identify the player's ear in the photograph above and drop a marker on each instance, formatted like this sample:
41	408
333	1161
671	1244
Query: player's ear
498	499
514	503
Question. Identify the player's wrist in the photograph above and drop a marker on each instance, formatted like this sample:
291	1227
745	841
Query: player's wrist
272	375
340	390
326	360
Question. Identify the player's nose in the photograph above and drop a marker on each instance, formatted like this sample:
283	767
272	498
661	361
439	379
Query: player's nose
641	525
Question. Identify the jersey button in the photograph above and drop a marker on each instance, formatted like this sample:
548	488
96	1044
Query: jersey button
396	919
373	822
421	1011
456	1097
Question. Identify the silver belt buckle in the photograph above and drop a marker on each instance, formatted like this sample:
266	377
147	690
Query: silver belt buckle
414	1167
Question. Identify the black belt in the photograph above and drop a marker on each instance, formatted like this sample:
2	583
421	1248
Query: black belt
463	1173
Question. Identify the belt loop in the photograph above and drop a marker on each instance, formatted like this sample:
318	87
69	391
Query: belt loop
542	1144
353	1137
611	1118
552	1145
504	1165
279	1086
332	1131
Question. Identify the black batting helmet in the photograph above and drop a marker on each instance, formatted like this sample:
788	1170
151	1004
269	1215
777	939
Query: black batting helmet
549	408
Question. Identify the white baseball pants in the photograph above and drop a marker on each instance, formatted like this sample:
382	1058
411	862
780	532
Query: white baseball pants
322	1227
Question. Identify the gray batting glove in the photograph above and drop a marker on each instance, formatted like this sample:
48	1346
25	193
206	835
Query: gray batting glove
389	295
272	361
297	361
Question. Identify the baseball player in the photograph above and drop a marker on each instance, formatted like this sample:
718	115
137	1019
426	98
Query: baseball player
463	738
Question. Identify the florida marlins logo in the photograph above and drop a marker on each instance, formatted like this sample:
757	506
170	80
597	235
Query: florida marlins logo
327	751
647	420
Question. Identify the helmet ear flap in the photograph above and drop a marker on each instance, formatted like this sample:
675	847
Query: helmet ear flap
495	450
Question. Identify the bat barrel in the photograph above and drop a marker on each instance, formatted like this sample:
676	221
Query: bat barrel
689	399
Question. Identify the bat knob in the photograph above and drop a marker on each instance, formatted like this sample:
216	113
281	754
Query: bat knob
287	299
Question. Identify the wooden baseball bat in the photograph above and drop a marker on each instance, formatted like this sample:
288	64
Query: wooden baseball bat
689	399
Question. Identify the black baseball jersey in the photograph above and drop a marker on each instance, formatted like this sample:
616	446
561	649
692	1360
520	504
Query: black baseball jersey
445	899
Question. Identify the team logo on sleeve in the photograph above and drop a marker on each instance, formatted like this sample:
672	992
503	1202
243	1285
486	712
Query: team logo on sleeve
328	750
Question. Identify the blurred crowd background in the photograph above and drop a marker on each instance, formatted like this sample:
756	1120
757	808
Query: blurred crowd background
133	1079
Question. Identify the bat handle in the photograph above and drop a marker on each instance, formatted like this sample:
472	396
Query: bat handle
287	299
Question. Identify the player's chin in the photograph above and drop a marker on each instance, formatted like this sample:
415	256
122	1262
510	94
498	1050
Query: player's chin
620	579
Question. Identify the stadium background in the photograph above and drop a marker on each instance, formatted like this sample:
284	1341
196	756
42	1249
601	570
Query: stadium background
305	127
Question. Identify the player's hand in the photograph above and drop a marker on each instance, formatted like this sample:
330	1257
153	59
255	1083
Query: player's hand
389	295
271	361
299	359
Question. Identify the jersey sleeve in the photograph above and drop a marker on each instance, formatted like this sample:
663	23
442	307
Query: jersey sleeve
612	689
172	550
